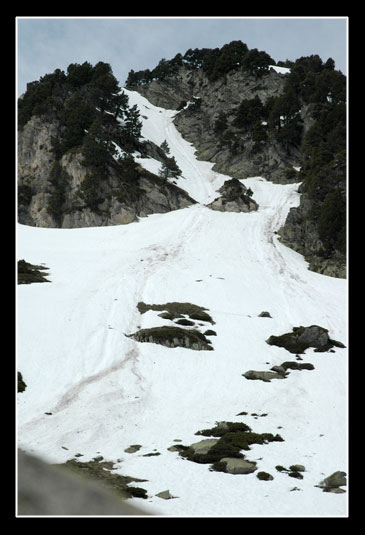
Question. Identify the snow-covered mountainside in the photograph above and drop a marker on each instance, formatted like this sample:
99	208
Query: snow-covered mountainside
104	391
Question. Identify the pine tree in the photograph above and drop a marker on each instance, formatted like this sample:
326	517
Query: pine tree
165	147
169	169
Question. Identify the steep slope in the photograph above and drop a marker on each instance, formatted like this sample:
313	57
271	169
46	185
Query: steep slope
91	390
251	117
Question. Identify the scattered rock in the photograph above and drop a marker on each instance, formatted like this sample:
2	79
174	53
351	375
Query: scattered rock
333	483
203	446
238	466
265	314
301	338
277	372
210	332
165	495
262	375
224	451
297	475
133	448
184	321
177	310
264	476
297	468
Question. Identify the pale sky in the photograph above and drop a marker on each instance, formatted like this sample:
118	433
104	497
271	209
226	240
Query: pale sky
48	43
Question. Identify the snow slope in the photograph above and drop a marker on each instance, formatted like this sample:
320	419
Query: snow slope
106	391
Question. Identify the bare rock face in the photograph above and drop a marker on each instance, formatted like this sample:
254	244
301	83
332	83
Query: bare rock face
201	101
300	234
36	186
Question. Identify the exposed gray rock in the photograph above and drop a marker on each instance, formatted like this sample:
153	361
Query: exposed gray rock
301	338
165	495
333	483
196	122
45	490
300	234
119	203
262	375
203	446
238	466
297	468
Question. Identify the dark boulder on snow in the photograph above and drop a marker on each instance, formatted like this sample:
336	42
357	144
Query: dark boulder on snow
170	336
333	483
301	338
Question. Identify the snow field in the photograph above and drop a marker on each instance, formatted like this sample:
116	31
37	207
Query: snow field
106	391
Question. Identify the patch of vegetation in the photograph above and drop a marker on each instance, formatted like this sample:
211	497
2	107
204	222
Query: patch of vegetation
100	470
21	384
177	310
232	438
29	273
173	337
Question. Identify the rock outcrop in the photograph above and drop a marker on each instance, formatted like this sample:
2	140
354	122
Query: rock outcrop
333	483
201	101
120	200
301	338
170	336
300	233
235	197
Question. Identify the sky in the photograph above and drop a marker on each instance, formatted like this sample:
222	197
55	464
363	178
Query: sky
48	43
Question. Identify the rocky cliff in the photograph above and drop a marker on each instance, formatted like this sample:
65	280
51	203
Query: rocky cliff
204	101
121	201
208	119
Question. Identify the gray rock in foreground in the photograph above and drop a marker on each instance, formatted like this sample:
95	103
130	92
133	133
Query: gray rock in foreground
45	490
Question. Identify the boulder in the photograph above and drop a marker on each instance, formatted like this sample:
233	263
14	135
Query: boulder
203	446
238	466
301	338
333	483
262	375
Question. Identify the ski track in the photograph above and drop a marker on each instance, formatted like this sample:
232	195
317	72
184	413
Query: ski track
105	391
